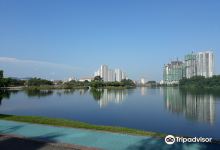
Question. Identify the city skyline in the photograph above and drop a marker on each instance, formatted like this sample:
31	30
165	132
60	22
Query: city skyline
117	74
110	75
73	38
194	64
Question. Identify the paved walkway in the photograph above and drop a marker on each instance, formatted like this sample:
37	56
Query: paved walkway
95	139
9	142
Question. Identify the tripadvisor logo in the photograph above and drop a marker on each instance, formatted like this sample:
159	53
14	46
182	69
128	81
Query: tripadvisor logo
170	139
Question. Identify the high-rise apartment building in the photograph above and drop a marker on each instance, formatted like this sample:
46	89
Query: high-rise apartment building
118	75
195	64
109	75
173	72
190	63
205	64
104	72
200	64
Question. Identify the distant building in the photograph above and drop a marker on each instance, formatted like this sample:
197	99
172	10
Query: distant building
71	79
57	82
123	75
97	73
109	75
190	62
200	64
104	72
118	75
142	81
173	72
195	64
86	79
205	64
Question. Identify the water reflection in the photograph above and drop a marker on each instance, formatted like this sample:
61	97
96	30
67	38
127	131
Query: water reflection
102	96
143	91
194	106
71	91
197	106
38	93
4	94
96	93
105	96
83	91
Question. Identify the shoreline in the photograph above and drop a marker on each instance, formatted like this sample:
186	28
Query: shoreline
12	88
63	88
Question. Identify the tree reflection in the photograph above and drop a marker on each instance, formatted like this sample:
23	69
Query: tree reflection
197	106
82	91
97	93
38	93
4	94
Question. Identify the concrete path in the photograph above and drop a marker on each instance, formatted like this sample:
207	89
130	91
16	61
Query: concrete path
95	139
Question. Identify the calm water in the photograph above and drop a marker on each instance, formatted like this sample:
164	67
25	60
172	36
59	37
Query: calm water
167	110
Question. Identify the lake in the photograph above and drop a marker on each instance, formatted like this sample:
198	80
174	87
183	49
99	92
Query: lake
166	110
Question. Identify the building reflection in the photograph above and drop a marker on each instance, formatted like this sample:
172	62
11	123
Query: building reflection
115	96
143	92
199	107
105	96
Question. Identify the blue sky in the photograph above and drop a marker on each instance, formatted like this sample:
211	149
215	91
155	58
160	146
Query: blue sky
56	39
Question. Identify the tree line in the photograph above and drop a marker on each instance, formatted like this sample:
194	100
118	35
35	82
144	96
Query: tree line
10	82
201	82
97	82
6	82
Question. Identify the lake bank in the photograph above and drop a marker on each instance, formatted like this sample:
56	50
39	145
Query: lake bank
74	87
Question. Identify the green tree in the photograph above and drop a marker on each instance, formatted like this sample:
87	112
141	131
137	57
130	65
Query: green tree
200	82
38	82
97	84
127	82
98	78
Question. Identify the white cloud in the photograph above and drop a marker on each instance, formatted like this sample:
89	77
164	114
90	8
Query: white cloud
29	68
35	62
